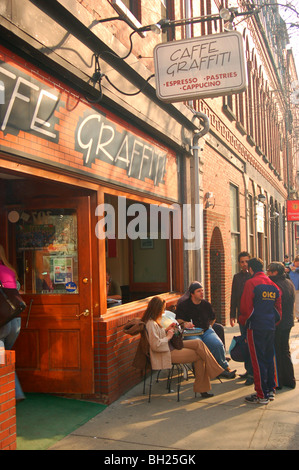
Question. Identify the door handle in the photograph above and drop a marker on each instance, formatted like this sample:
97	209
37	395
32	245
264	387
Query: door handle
28	314
85	313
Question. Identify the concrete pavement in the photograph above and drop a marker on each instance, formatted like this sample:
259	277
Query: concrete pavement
223	422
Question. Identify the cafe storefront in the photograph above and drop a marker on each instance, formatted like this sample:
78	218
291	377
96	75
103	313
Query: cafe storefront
72	172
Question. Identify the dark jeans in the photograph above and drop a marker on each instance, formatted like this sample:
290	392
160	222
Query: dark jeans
285	369
247	360
9	334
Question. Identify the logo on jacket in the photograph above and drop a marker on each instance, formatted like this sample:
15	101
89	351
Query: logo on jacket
268	295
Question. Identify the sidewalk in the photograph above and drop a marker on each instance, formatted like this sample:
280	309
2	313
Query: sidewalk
223	422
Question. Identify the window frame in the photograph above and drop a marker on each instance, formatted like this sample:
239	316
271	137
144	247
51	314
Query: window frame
235	234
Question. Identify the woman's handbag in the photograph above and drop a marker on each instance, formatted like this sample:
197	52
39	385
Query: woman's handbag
177	339
11	304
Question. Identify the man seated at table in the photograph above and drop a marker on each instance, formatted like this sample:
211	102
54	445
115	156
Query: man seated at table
197	312
217	327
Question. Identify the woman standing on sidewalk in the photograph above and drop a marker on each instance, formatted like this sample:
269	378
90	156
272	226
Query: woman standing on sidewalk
162	355
10	331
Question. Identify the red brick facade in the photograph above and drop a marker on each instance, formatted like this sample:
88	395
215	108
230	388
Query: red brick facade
245	147
8	432
113	352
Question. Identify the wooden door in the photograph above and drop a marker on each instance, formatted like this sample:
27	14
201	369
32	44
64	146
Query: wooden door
54	351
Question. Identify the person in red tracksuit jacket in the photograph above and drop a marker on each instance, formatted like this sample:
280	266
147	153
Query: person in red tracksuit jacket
260	309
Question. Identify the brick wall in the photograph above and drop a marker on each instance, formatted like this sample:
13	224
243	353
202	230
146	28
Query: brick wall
8	433
115	351
217	177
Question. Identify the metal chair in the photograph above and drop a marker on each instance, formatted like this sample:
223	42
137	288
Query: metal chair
179	368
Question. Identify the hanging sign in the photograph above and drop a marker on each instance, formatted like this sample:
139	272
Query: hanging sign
293	210
202	67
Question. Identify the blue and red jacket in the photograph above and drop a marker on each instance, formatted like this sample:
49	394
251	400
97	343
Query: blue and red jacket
260	303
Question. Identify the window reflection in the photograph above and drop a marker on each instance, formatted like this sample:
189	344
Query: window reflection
139	264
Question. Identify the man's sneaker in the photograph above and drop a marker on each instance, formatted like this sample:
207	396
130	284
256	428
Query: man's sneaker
249	380
271	395
257	400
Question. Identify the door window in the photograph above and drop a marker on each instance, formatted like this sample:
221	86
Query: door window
47	251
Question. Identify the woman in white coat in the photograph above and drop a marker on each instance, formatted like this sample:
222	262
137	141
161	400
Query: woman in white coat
162	355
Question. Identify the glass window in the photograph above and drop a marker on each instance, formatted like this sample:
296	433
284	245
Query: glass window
235	227
167	12
134	7
235	251
234	208
251	224
147	255
266	244
47	257
138	251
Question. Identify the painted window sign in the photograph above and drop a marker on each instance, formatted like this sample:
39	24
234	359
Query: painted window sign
40	108
28	105
99	138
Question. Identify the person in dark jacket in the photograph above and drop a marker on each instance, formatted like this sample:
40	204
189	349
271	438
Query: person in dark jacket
197	312
238	284
217	327
285	369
